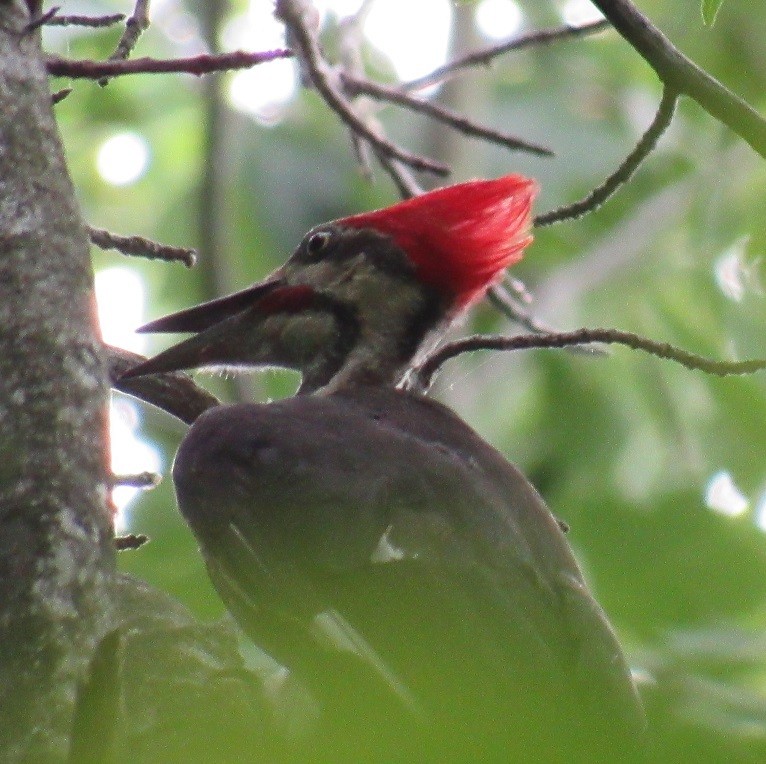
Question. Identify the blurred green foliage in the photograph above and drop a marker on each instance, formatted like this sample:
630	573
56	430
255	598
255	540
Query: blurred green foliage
622	446
710	10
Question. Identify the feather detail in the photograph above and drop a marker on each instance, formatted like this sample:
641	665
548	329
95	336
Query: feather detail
460	238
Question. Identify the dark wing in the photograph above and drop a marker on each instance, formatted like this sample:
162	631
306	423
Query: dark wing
379	526
517	546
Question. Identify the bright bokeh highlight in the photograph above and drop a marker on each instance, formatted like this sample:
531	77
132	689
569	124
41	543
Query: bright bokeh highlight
723	496
394	27
123	158
261	91
339	8
735	274
264	90
130	455
760	512
397	29
578	12
121	300
498	19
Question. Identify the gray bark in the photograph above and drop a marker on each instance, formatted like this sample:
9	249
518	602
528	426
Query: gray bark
56	555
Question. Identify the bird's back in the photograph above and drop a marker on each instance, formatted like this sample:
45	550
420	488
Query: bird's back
384	511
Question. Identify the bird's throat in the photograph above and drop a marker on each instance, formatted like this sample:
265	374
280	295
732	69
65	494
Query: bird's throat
381	353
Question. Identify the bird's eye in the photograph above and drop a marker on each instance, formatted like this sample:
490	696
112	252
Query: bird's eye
317	242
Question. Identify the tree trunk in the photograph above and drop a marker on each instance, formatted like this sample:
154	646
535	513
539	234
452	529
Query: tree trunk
56	554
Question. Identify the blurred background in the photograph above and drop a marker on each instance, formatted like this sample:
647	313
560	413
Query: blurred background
660	471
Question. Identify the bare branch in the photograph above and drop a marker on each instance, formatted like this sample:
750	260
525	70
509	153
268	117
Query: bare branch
130	542
85	21
350	41
134	28
624	172
500	298
138	480
40	20
196	65
60	95
355	86
174	393
405	183
584	336
138	246
362	153
295	14
684	76
485	56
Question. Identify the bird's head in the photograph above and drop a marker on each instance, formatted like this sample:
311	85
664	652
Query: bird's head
358	297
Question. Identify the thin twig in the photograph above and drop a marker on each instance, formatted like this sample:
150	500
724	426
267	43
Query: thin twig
501	298
134	28
60	95
85	21
130	542
196	65
40	19
350	41
138	480
583	336
485	56
138	246
503	301
174	393
363	156
682	75
518	289
355	86
624	172
295	15
403	179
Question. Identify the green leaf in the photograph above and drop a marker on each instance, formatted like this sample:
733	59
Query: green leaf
710	10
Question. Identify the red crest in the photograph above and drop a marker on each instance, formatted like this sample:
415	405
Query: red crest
461	238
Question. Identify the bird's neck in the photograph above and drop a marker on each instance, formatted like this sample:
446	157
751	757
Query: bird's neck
361	368
381	352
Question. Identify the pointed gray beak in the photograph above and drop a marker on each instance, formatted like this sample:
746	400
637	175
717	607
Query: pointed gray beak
230	330
203	316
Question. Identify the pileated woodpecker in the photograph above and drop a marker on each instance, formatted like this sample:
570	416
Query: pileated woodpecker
358	531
